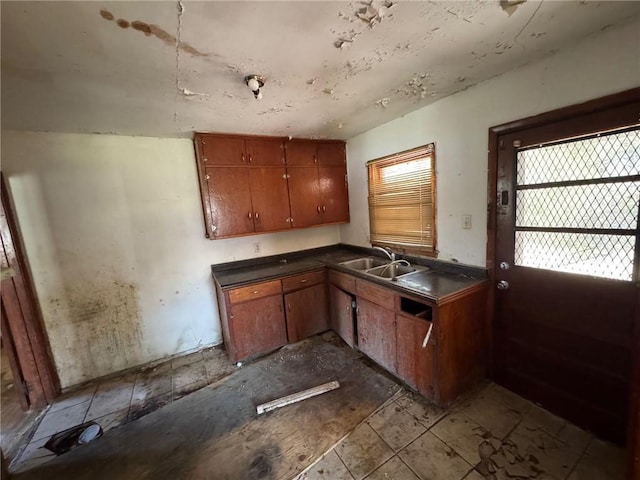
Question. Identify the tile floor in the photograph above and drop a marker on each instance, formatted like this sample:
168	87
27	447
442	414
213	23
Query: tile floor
116	401
491	434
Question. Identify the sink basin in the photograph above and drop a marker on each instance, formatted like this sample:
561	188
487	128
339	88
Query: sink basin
364	263
391	271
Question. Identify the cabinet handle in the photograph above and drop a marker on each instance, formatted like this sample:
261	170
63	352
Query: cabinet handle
284	160
348	308
205	159
255	292
242	154
250	158
324	209
250	215
207	177
303	281
256	215
318	208
315	159
289	307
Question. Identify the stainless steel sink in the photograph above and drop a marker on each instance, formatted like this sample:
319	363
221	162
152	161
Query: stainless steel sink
381	268
364	263
391	271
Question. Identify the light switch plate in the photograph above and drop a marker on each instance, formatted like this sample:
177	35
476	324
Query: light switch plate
466	222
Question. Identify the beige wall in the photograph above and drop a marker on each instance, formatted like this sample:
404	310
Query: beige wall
602	64
115	239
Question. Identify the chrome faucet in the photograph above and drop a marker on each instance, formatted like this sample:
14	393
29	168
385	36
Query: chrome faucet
388	252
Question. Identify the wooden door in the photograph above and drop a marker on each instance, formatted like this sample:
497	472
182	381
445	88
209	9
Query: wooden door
342	314
22	328
565	277
306	312
230	201
415	362
304	196
331	153
270	199
265	152
334	194
301	153
19	382
258	326
377	333
633	436
221	150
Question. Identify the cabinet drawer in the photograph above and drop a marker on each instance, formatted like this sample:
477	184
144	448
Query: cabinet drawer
303	280
257	290
344	281
375	294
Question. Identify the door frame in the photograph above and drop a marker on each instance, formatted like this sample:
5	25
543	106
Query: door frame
23	324
565	113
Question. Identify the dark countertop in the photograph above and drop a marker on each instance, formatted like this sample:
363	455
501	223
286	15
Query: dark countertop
438	283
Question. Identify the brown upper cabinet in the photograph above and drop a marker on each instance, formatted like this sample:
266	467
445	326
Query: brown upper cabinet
332	153
251	185
216	150
318	181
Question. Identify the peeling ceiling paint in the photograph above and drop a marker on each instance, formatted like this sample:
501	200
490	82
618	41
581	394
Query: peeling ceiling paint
332	69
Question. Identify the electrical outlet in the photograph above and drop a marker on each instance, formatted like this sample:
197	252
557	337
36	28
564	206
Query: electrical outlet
466	222
256	247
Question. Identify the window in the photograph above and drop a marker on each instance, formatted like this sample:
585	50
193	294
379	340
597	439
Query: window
402	200
577	205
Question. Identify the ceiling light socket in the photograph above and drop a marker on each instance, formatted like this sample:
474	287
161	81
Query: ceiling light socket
255	83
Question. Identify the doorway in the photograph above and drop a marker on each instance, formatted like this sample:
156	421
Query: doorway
29	380
564	200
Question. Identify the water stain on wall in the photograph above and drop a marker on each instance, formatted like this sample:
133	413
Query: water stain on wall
104	331
150	29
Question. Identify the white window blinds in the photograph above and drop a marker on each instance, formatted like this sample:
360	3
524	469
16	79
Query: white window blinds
402	199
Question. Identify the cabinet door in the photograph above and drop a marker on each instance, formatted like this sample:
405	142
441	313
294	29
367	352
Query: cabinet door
301	153
270	198
215	150
331	153
415	363
306	312
334	194
230	201
342	314
377	333
304	196
265	152
258	326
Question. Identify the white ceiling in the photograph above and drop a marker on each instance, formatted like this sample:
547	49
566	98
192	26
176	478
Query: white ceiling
332	69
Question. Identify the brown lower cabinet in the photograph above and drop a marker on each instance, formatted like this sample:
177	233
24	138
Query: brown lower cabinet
342	314
263	316
377	333
258	326
415	360
306	312
437	347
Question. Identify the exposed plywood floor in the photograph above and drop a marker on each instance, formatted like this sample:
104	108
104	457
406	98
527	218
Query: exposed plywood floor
215	432
370	429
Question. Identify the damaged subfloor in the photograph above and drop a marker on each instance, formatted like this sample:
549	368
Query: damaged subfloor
370	428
